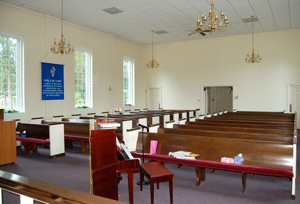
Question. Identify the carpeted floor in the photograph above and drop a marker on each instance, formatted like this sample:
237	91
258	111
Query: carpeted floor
72	171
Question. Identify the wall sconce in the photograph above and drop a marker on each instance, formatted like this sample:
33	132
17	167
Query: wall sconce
111	88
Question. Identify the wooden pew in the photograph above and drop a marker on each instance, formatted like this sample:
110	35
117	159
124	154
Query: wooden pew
249	125
49	134
283	118
164	117
260	157
127	134
74	129
191	125
225	134
184	113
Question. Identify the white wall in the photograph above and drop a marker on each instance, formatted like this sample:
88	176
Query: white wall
185	67
39	32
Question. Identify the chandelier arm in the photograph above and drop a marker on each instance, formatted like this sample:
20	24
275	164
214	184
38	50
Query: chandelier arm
61	46
152	63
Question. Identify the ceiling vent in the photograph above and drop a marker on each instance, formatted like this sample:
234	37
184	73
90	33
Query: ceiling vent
112	10
249	20
160	32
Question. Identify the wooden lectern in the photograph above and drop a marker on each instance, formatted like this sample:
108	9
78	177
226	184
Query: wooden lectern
8	153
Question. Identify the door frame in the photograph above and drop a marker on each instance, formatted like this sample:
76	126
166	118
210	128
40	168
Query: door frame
160	96
205	98
288	96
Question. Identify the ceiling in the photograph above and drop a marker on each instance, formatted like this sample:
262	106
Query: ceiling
175	17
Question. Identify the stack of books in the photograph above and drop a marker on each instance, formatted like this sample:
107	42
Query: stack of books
183	155
110	124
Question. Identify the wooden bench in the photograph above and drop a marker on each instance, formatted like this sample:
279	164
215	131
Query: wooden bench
156	173
245	124
48	134
79	130
260	157
225	134
192	125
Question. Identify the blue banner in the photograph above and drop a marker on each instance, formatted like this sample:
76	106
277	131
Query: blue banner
52	81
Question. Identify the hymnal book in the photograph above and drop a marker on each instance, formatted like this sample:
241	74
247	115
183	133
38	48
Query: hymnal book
108	124
183	155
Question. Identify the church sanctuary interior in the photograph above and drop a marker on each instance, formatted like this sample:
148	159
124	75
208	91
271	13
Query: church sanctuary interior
215	78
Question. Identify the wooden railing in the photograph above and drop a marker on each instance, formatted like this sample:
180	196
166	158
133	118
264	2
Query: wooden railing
31	190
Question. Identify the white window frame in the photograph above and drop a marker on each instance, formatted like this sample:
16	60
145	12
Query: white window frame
88	77
19	71
131	83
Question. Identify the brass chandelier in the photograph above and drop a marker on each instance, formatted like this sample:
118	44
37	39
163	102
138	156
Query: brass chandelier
61	47
152	63
253	57
213	22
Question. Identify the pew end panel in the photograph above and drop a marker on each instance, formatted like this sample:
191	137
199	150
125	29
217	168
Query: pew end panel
169	124
192	119
182	121
154	128
36	120
198	113
167	118
57	141
57	117
132	137
126	125
155	120
142	121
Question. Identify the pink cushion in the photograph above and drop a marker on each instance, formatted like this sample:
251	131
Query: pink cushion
33	140
71	137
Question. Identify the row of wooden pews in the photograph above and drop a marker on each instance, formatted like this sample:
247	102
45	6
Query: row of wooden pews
267	141
78	128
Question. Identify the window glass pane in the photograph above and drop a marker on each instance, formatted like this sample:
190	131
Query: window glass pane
82	78
11	95
128	82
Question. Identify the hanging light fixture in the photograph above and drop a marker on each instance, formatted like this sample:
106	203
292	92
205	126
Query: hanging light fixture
152	63
253	57
61	47
213	22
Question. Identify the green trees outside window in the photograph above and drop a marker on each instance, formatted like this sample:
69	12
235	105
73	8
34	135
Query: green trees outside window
10	73
128	82
82	78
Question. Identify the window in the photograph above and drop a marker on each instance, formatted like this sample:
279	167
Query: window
11	73
128	82
83	96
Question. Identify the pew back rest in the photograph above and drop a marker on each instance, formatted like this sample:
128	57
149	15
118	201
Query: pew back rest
258	153
255	125
72	128
39	131
74	120
225	134
193	125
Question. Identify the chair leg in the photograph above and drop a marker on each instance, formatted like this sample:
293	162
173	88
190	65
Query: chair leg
141	180
171	190
152	191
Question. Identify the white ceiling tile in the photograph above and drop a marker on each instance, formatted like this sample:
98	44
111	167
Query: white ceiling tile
174	16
